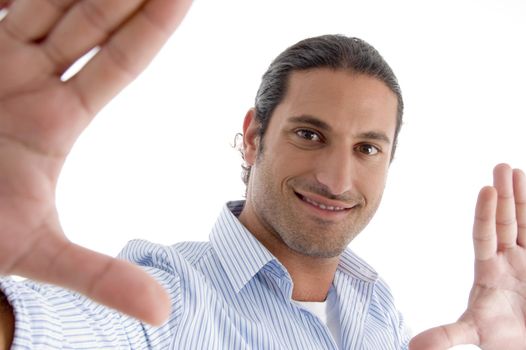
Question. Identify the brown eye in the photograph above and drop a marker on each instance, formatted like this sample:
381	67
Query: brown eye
367	149
308	135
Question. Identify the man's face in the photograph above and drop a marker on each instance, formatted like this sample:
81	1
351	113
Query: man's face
321	172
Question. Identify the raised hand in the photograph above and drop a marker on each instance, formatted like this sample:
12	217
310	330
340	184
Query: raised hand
41	116
495	318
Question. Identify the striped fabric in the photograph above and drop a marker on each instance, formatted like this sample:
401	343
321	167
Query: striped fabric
228	293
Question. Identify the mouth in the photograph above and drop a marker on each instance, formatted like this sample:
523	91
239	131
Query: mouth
325	205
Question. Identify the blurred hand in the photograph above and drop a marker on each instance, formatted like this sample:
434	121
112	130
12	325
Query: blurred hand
41	116
495	318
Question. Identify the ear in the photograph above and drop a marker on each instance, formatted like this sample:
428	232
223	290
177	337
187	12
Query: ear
250	137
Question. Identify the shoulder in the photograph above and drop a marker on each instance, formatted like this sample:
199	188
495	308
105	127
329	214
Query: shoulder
170	259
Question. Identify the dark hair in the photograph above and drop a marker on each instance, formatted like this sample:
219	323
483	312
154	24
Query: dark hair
326	51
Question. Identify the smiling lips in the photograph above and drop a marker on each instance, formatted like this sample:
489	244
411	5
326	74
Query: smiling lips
333	207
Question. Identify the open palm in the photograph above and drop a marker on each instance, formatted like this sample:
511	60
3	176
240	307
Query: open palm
495	318
41	116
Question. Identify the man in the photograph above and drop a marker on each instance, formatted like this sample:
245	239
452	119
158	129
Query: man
318	158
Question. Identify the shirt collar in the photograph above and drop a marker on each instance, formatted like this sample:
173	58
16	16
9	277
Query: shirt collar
354	266
240	253
243	256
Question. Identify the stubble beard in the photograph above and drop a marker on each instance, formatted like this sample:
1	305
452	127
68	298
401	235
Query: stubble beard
307	235
318	239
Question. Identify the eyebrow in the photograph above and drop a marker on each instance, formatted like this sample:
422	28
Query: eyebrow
309	119
320	124
375	135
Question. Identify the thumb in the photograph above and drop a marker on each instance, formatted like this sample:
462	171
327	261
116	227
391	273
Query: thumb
109	281
444	337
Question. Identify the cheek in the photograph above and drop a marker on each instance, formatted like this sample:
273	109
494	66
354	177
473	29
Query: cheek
287	160
296	164
372	183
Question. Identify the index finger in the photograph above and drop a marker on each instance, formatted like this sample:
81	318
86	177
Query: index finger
484	227
127	52
506	220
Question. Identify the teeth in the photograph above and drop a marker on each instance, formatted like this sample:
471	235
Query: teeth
323	206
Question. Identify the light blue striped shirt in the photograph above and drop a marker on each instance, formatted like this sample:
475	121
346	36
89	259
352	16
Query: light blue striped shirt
228	293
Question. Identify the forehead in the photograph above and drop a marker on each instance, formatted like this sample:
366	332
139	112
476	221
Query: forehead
341	98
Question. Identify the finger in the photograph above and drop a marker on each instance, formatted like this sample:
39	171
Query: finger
85	26
444	337
31	20
112	282
128	52
484	234
505	220
519	190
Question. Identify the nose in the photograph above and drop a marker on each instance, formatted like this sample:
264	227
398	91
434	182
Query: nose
335	170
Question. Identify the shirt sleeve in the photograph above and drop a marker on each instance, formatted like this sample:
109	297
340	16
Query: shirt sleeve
49	317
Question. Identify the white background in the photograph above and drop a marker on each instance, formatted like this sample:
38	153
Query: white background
157	162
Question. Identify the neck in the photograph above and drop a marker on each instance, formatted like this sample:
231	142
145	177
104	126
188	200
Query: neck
312	276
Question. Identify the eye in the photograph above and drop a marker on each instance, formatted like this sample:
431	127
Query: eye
367	149
309	135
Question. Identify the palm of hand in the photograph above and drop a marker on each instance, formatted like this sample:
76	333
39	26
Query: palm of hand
495	318
497	306
40	118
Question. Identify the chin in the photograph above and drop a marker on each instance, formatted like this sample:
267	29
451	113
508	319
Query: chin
317	252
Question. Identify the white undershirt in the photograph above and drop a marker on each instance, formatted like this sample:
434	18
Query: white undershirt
328	313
